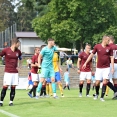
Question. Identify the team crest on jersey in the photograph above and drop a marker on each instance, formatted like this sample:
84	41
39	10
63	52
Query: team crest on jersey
16	54
107	50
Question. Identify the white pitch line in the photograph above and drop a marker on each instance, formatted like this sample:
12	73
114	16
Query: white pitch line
7	113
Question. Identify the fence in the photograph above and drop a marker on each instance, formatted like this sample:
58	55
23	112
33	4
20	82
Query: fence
7	35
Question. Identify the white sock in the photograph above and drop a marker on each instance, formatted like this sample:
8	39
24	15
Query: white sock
54	94
37	94
10	102
1	102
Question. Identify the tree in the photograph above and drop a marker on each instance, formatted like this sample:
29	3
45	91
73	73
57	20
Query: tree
7	14
76	20
24	18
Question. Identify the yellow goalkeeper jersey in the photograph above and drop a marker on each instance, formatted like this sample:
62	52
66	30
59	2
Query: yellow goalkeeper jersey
55	62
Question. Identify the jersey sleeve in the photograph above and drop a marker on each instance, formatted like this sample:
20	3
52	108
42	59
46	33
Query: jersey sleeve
55	48
3	52
95	49
20	55
33	60
80	56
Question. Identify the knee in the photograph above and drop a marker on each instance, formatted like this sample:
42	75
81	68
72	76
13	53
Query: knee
52	79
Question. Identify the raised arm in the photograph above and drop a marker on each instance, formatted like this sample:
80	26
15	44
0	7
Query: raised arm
78	65
89	58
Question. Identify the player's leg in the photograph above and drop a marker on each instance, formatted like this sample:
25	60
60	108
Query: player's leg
50	89
107	90
88	83
58	80
14	83
82	78
6	82
98	78
44	75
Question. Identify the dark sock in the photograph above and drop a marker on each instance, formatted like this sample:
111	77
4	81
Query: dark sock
44	90
64	87
34	90
80	87
110	85
115	85
88	88
12	93
97	89
68	87
31	90
3	93
41	92
103	90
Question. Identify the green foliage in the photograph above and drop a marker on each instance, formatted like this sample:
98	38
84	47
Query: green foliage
73	20
7	14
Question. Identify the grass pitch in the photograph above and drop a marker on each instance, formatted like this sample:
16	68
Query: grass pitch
69	106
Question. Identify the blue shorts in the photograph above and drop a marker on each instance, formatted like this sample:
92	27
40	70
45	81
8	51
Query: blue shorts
30	82
57	76
47	73
48	80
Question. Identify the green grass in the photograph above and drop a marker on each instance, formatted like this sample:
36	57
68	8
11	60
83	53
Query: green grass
69	106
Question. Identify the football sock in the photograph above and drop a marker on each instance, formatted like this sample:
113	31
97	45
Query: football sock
115	85
41	92
107	90
110	85
103	90
3	93
54	87
47	89
88	88
50	89
12	93
44	90
80	87
60	88
68	87
34	90
97	89
64	87
31	90
39	87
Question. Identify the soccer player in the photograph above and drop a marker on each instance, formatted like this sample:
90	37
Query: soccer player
57	71
12	54
114	49
85	74
34	74
104	54
47	70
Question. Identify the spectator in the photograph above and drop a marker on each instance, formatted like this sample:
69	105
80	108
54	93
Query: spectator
69	63
62	56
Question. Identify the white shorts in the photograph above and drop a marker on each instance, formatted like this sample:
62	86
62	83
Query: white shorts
85	75
10	79
35	77
102	73
114	76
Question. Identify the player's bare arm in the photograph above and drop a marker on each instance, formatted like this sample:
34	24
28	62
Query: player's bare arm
89	58
39	60
78	65
112	63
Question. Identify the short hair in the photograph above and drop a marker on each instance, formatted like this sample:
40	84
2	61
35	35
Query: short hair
88	45
66	69
111	38
105	36
14	41
36	48
50	39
